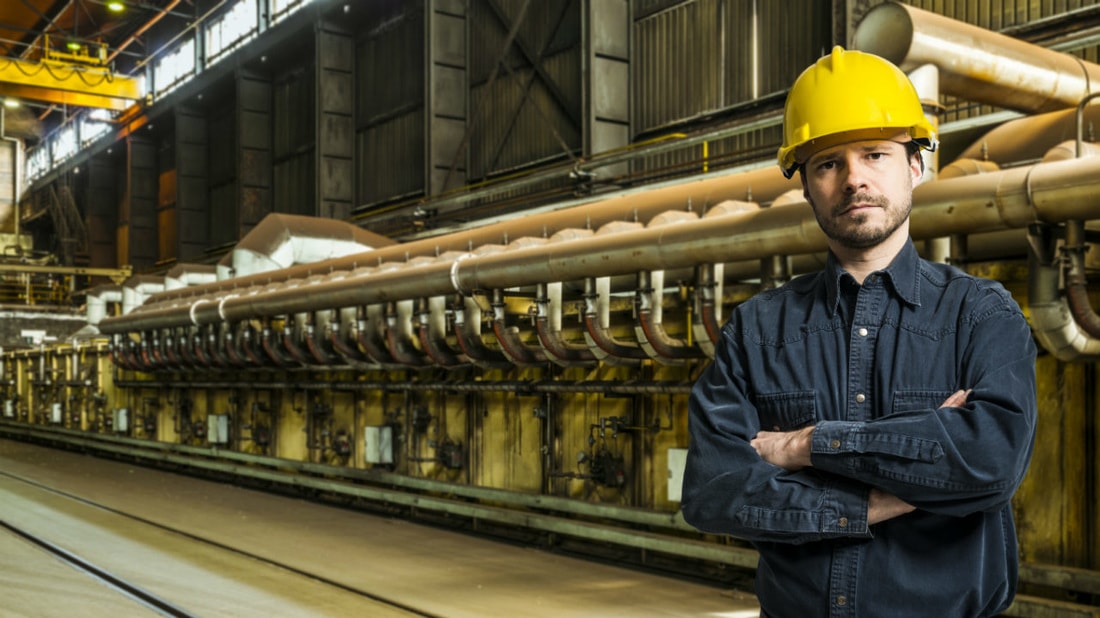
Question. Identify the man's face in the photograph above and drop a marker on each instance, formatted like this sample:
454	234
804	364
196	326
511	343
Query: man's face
861	192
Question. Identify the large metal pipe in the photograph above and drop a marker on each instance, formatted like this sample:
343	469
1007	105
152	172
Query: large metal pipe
699	194
1047	192
975	63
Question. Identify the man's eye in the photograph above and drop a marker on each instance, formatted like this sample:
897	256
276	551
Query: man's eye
826	165
875	156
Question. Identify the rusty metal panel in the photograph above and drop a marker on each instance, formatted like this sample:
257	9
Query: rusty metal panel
100	203
678	63
294	185
254	113
518	121
140	221
192	201
392	156
389	67
293	101
335	136
391	128
223	214
706	55
335	139
792	35
525	99
255	129
166	234
223	146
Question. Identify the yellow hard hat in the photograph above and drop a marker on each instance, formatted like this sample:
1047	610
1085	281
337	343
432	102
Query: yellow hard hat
848	96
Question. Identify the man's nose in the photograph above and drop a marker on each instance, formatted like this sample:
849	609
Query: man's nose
856	176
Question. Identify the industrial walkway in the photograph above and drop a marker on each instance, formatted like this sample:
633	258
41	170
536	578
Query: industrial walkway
131	541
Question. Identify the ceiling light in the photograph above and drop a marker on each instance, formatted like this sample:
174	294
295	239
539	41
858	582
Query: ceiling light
11	103
72	45
115	6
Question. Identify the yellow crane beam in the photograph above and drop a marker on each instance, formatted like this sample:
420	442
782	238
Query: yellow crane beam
70	84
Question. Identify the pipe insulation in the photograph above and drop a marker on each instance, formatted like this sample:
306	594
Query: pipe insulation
1045	192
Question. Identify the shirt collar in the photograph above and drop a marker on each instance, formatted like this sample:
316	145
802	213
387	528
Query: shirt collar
903	275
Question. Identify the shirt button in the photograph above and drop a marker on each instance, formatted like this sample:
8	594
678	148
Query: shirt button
863	332
860	398
834	444
842	522
842	600
775	428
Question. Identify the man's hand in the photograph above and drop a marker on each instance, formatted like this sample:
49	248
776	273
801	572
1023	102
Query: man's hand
882	506
957	399
789	450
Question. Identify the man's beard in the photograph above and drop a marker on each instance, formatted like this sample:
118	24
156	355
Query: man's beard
848	230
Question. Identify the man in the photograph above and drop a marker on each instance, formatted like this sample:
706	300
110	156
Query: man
866	427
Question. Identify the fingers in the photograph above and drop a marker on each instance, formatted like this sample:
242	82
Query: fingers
958	398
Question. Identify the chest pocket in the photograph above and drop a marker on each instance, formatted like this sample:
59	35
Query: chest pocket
786	411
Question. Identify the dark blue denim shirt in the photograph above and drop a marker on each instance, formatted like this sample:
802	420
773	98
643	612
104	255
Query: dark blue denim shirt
869	365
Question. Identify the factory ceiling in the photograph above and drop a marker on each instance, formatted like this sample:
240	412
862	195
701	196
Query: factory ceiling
94	38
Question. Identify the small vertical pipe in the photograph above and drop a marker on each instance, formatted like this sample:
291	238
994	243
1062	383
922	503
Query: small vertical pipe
926	79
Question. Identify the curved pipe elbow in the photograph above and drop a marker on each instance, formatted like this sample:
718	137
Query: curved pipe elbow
437	349
560	351
249	342
548	303
668	351
349	350
294	348
198	348
372	344
605	341
271	347
469	341
1055	323
174	360
510	343
317	347
399	338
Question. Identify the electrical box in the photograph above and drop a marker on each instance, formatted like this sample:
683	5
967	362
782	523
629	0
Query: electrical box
9	408
378	444
120	420
217	428
55	414
677	460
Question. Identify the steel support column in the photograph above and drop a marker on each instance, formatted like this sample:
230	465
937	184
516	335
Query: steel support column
192	183
101	208
137	224
254	149
606	32
335	155
445	89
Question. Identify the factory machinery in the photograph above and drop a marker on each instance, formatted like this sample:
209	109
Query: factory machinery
531	376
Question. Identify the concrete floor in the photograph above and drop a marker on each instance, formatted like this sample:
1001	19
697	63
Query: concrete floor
434	571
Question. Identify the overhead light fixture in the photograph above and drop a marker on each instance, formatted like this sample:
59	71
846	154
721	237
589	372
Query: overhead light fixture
11	103
115	6
72	46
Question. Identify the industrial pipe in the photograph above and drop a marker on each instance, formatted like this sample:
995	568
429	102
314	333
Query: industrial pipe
975	63
1049	192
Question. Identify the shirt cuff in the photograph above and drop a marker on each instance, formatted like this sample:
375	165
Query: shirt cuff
833	437
844	509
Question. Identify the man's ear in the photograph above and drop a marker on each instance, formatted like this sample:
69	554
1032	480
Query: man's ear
916	165
805	189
